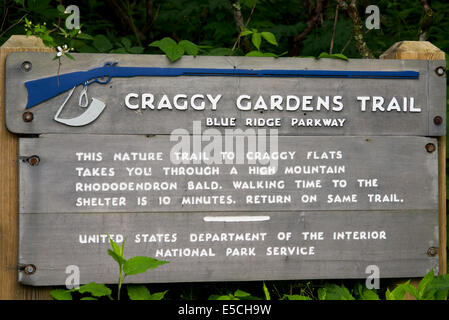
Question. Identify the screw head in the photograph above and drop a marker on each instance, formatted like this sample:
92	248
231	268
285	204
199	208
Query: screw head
430	147
29	269
440	71
27	116
432	251
438	120
34	160
27	66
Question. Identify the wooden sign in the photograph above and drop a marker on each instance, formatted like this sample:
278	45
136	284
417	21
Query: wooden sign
146	94
230	168
304	208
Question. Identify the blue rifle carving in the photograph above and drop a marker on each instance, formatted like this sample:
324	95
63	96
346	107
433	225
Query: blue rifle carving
43	89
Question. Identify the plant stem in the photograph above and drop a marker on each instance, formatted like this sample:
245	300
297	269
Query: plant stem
120	280
335	28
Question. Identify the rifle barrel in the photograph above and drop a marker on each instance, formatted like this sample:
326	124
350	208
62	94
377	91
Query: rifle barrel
43	89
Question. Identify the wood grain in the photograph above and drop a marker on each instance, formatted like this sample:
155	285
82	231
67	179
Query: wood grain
9	286
424	50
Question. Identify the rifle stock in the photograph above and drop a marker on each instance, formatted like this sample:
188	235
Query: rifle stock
43	89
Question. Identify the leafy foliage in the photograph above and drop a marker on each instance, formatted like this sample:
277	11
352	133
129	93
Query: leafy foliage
429	288
140	292
175	51
130	267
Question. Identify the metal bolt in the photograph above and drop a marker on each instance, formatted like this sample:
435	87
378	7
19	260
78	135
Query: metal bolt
437	120
27	116
432	251
33	160
26	66
440	71
430	147
28	269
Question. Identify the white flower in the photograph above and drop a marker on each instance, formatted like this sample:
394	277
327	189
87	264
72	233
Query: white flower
62	50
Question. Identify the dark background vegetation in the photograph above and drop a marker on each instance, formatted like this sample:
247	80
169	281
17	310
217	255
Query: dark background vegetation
301	27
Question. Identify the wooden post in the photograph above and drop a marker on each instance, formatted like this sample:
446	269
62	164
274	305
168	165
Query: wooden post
9	286
424	50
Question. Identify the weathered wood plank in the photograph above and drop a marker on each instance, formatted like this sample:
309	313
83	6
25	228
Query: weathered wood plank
309	118
424	50
9	287
52	242
79	173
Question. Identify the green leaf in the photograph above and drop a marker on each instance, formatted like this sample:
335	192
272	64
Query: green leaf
339	56
140	264
189	47
174	53
270	54
84	36
116	257
388	295
95	289
245	33
116	248
171	49
158	295
295	297
61	8
322	294
422	286
266	292
156	44
68	55
440	287
241	294
117	251
89	298
332	56
399	292
269	37
122	249
47	39
138	292
126	42
61	294
167	43
101	43
369	295
255	53
336	292
256	39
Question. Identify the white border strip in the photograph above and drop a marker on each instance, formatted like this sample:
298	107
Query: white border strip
236	218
